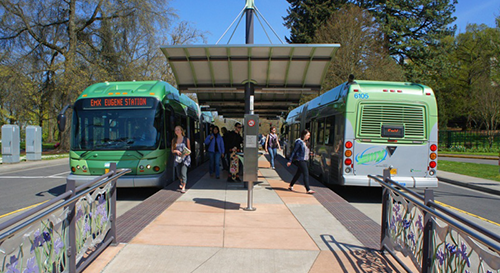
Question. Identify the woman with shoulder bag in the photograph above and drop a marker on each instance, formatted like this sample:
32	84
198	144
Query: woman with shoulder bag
300	154
272	145
181	148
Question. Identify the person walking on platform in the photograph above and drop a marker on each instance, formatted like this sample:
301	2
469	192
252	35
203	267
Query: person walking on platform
225	164
272	145
215	151
300	155
181	148
233	141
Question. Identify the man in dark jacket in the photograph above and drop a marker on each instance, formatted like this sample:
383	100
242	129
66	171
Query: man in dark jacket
233	141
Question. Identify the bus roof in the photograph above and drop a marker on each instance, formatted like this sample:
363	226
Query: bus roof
157	89
340	91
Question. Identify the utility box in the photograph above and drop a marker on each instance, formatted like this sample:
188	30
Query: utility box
251	148
33	143
10	143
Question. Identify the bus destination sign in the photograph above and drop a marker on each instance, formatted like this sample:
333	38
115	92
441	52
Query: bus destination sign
393	131
118	102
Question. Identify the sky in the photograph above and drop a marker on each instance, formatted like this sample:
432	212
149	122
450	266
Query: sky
216	16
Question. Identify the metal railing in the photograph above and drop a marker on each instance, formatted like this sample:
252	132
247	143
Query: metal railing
433	237
66	233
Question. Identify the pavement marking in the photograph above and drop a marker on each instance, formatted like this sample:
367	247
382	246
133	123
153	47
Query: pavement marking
32	177
57	175
25	208
468	213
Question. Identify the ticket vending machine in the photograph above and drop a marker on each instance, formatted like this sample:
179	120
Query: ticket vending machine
251	155
10	143
33	143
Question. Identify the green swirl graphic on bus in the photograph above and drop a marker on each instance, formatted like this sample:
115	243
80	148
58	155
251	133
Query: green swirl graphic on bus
371	156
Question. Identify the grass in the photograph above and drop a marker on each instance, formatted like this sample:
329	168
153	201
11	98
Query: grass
490	172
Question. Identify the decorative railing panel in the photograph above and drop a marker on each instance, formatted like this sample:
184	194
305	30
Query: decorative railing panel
433	237
64	234
40	247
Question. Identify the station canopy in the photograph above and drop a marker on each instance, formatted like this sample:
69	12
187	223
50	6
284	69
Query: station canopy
281	74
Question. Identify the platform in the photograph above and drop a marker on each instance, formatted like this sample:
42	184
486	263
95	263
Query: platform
207	230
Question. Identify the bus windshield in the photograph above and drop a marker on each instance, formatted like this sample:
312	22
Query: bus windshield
138	128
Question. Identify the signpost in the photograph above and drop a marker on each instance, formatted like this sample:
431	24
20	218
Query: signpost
251	149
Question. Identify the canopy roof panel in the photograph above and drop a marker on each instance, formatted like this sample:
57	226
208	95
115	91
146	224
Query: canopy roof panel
281	74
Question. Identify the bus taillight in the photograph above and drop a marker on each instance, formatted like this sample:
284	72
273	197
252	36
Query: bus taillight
434	147
348	145
348	161
433	156
433	164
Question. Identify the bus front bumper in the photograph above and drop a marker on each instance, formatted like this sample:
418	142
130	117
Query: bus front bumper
132	181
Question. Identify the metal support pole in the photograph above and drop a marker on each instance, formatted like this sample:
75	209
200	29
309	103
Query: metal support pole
71	250
250	197
249	26
385	205
112	167
427	254
249	92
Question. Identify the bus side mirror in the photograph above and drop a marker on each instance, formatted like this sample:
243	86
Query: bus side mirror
61	118
61	122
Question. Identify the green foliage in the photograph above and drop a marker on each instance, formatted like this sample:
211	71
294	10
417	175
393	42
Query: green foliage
305	17
361	53
471	169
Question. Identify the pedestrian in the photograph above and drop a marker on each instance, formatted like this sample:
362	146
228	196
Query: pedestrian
182	152
272	145
300	155
225	164
215	149
233	141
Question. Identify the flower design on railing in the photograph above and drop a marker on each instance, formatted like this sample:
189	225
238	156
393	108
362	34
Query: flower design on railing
92	220
405	228
40	248
452	250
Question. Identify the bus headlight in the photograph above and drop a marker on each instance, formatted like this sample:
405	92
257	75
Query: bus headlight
141	167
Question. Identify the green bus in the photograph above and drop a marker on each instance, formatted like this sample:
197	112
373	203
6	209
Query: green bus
362	127
131	124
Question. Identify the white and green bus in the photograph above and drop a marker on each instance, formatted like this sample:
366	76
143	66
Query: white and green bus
363	127
132	124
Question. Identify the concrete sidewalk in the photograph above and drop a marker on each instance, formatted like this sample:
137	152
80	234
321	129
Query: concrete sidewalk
207	230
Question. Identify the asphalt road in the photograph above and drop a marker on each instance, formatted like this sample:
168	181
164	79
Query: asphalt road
21	189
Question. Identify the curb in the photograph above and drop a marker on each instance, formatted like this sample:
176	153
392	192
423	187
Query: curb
469	185
490	157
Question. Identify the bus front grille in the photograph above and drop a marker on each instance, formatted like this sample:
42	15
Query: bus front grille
411	117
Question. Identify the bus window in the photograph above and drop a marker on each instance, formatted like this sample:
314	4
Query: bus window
320	131
329	130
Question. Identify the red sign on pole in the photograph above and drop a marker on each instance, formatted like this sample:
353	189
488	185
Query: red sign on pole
251	123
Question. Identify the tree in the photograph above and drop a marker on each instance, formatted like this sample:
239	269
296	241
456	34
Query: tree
362	51
75	43
411	26
306	16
